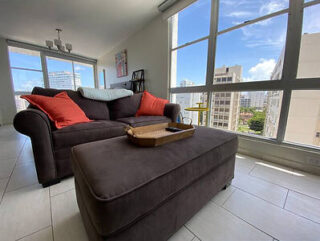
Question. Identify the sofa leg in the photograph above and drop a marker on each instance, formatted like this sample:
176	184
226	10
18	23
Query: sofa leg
50	183
226	186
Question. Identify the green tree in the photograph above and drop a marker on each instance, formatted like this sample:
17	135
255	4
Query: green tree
256	123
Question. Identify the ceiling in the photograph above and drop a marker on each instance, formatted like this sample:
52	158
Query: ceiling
93	27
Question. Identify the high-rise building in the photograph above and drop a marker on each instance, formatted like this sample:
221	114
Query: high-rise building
64	80
303	125
257	99
245	101
225	105
189	100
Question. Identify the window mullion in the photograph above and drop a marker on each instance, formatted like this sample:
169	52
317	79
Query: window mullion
74	77
44	70
291	59
95	76
211	53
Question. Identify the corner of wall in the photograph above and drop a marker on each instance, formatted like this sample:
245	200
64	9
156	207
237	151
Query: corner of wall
7	106
147	49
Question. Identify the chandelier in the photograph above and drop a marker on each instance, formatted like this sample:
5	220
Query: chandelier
58	43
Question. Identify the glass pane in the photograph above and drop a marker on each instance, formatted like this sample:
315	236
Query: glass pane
85	73
101	80
309	59
61	74
191	23
25	80
256	49
303	124
251	112
234	12
24	58
21	104
189	65
189	100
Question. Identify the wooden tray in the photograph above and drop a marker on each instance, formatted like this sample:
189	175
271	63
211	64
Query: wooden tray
156	135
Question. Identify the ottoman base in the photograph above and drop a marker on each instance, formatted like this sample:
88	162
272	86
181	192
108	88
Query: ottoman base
170	215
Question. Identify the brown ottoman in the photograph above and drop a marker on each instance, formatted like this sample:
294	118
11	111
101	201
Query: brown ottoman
126	192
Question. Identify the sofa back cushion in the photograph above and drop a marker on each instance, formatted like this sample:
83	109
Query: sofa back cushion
124	107
94	110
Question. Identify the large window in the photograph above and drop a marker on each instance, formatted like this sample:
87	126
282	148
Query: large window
190	34
31	68
257	70
67	74
26	71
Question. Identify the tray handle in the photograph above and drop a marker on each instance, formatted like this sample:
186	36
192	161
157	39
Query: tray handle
187	118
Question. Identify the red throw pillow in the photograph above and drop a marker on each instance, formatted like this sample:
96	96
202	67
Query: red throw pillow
61	109
151	105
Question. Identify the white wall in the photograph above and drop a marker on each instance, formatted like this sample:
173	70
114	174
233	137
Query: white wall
7	104
147	49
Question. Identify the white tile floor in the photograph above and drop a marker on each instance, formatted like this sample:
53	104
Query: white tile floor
264	202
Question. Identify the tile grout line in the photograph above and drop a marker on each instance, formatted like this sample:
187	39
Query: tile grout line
63	192
191	232
9	178
247	222
285	201
229	195
272	204
318	199
195	237
257	197
51	218
275	204
33	233
298	215
283	186
254	166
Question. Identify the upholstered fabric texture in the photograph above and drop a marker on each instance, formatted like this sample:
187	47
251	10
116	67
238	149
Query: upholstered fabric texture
51	147
61	109
144	120
152	175
124	107
151	105
169	216
94	110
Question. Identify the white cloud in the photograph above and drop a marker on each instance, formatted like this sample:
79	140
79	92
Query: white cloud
78	68
239	14
262	70
235	2
272	6
311	20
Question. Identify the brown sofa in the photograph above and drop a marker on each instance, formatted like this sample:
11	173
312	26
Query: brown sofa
51	146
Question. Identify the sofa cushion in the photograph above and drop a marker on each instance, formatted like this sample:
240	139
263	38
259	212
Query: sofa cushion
151	105
87	132
94	110
122	183
124	107
144	120
61	109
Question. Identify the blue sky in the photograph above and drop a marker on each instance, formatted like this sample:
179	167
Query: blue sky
26	80
255	47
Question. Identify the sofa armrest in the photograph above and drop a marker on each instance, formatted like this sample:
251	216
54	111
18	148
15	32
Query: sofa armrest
172	111
35	124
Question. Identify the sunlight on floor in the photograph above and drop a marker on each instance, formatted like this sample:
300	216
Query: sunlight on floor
280	169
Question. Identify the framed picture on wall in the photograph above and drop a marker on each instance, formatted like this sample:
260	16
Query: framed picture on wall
121	63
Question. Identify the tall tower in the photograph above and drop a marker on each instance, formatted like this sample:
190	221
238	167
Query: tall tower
225	105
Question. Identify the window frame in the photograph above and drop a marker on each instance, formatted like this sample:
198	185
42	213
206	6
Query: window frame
287	83
44	53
